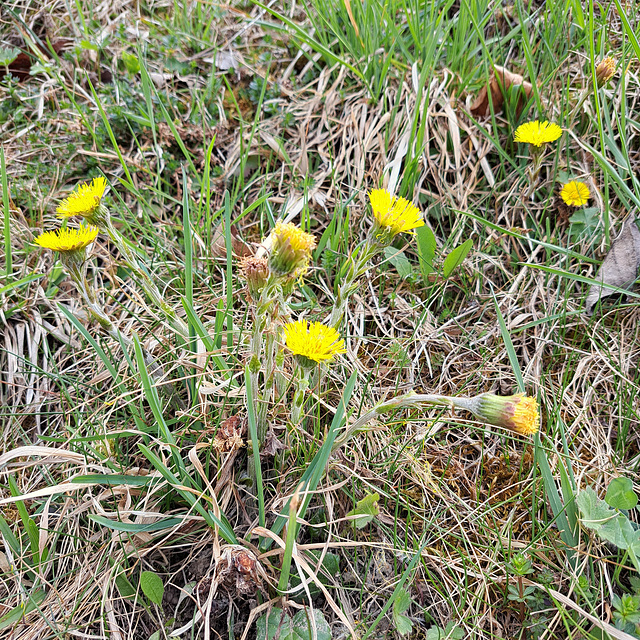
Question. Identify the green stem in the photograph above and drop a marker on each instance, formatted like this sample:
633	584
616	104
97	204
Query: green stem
149	286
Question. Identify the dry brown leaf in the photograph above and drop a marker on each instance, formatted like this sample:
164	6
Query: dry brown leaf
620	267
501	79
219	244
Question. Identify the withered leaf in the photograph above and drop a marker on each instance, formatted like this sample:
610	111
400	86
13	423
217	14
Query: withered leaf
620	266
219	244
501	80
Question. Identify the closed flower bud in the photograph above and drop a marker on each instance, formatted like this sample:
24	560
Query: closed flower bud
255	271
605	70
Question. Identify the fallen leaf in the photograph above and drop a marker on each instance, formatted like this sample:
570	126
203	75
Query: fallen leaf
501	80
619	268
219	244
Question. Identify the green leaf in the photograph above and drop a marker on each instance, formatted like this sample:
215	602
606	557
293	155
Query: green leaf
426	243
609	524
399	260
116	525
152	586
8	55
456	257
131	62
402	623
16	614
125	588
278	625
620	494
366	510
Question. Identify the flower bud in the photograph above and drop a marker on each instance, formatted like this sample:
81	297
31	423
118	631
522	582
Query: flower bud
255	271
291	250
605	70
518	412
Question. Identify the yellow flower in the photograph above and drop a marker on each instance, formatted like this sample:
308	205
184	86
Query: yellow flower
84	201
291	250
66	240
518	412
312	342
394	215
538	133
575	193
605	70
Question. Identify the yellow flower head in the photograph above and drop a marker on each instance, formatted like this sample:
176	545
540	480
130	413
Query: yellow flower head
394	215
291	250
538	133
575	193
605	70
518	412
84	201
66	240
312	342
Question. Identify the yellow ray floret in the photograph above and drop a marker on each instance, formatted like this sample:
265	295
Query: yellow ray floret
313	341
575	193
394	214
84	201
67	239
291	250
538	133
518	412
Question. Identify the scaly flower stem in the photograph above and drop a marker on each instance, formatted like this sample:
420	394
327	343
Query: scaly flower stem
401	402
299	396
358	265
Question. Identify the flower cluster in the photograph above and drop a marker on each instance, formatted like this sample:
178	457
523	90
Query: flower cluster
291	250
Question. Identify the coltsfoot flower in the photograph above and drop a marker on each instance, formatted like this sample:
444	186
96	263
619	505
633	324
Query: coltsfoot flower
85	201
605	70
575	193
538	133
255	271
393	214
67	240
313	342
518	412
291	250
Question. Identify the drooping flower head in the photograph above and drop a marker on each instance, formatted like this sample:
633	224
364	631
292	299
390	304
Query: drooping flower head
290	250
255	270
518	412
313	342
393	215
67	240
85	201
575	193
538	133
605	70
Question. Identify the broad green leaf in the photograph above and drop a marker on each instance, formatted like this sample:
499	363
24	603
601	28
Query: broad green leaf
399	260
609	524
620	494
456	257
402	623
152	586
278	625
125	588
426	242
366	510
